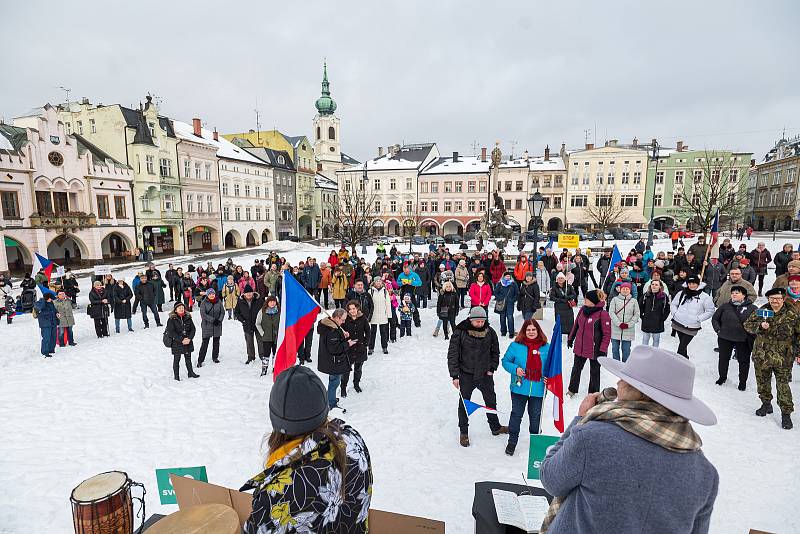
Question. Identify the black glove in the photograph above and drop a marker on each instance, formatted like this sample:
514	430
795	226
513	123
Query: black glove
217	322
569	344
601	354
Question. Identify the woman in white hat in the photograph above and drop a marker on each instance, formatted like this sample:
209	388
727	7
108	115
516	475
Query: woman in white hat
635	464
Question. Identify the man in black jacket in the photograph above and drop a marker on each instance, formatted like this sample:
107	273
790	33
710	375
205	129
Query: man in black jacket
246	312
146	295
472	359
360	295
169	277
332	354
728	322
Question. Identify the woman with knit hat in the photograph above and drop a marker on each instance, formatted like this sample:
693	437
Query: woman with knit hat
690	307
525	359
589	339
318	472
624	313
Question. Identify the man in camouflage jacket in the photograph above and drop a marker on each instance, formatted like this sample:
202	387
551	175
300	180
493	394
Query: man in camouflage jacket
775	348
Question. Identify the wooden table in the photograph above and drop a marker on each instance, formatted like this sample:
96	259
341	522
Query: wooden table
199	519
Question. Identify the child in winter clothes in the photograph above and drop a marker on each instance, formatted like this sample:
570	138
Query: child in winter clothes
543	279
230	296
406	311
655	310
624	312
393	320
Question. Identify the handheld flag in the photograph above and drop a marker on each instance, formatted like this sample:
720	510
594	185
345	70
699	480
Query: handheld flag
471	407
298	313
40	263
616	257
715	228
549	245
552	371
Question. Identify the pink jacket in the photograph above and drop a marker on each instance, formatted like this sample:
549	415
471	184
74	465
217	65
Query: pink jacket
247	281
588	339
480	295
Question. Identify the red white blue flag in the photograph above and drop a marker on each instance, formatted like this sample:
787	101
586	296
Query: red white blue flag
472	407
298	313
552	371
40	263
715	228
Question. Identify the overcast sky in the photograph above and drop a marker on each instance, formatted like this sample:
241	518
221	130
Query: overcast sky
716	74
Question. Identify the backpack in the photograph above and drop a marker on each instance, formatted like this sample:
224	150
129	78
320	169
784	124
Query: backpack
167	339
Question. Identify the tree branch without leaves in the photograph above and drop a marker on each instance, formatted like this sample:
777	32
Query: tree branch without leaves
715	188
605	214
355	212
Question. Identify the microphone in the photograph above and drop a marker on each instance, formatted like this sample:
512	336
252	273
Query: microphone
607	395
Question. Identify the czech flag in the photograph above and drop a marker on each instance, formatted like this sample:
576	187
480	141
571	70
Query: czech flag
552	371
471	407
715	237
298	313
616	257
43	264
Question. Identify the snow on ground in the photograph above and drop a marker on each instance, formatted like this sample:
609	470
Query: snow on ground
112	404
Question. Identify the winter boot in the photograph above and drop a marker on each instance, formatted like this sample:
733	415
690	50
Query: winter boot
766	408
436	332
369	352
786	421
501	430
386	351
464	440
510	449
264	369
188	360
721	381
742	386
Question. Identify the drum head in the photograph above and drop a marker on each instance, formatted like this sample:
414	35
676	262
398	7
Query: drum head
99	486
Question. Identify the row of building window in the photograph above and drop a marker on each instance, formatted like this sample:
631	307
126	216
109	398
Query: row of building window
198	170
777	176
202	207
248	213
103	211
246	169
247	190
449	206
775	198
453	187
612	162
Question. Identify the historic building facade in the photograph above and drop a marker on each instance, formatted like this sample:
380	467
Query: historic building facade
776	201
326	198
145	141
62	196
548	175
199	175
454	194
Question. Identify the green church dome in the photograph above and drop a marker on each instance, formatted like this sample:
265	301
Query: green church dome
325	104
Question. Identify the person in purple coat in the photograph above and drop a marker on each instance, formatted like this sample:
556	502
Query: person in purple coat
589	339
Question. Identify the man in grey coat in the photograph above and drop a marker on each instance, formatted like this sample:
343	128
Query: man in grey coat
634	465
212	313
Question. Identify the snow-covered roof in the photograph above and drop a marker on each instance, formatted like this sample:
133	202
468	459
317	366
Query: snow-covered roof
225	149
408	157
5	144
325	182
464	165
554	163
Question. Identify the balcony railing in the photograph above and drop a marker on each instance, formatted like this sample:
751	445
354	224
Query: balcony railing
72	219
171	180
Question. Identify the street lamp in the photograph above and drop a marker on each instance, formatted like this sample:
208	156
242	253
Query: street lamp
652	224
536	205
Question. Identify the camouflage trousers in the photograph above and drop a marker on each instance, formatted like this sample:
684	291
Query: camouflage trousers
783	375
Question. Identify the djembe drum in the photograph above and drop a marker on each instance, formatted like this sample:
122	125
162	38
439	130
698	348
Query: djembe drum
103	504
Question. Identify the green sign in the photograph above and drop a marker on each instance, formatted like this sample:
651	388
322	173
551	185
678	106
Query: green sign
165	491
538	450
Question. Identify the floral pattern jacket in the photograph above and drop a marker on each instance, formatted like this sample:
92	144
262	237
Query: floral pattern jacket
302	492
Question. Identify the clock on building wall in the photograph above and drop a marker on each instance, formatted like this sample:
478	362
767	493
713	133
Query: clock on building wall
55	158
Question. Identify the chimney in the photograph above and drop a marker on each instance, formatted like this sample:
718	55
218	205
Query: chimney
455	157
196	127
380	151
216	135
635	141
679	146
526	156
752	163
483	154
612	142
547	153
589	146
85	101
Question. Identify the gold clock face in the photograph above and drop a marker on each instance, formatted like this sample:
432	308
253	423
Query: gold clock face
55	159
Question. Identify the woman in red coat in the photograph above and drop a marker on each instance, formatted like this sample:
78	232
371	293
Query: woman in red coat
497	268
480	292
333	259
590	336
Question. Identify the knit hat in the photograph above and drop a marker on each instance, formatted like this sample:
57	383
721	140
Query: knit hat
297	402
594	297
744	261
793	278
178	303
660	264
624	270
247	289
560	276
694	279
794	263
210	292
625	284
477	312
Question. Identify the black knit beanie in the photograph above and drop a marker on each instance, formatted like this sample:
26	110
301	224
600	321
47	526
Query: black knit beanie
298	402
593	297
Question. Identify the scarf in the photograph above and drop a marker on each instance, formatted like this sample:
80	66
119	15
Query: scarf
687	294
533	365
588	311
505	282
792	294
644	419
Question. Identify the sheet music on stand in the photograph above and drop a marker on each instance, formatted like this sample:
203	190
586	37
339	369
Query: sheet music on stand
525	512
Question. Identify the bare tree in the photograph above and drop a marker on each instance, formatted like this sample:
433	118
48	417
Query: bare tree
355	213
717	183
603	213
413	217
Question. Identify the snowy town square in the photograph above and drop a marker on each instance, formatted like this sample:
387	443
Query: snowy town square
400	268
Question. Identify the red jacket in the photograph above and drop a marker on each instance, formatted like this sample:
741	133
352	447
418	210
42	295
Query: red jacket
480	295
333	260
496	270
591	334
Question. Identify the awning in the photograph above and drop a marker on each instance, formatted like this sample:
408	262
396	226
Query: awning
10	242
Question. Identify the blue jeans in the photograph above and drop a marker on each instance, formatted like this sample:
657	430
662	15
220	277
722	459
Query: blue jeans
333	385
48	339
647	336
130	324
527	315
626	349
518	403
507	319
153	309
64	336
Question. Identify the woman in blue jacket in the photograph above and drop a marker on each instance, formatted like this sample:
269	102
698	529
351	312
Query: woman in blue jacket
525	359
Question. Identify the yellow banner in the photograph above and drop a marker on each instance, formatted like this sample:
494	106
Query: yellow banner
568	241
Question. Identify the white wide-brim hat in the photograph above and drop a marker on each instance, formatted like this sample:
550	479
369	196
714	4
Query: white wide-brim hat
665	377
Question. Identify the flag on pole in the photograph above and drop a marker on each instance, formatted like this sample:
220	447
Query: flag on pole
714	253
471	407
298	313
40	263
616	257
549	245
552	371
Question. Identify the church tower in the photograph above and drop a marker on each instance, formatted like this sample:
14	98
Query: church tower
327	144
